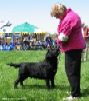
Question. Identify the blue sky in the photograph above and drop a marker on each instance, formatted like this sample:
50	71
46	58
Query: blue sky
37	12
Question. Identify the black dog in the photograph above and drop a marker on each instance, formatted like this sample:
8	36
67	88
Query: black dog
43	70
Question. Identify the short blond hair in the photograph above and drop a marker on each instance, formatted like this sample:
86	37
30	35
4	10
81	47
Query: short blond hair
57	9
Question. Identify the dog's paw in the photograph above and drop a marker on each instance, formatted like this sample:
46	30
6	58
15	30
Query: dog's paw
23	87
15	87
53	86
48	87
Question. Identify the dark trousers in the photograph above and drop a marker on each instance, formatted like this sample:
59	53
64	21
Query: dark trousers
73	70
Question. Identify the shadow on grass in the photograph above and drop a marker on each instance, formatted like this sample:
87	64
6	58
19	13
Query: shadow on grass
60	87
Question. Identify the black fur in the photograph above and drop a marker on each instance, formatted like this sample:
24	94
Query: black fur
43	70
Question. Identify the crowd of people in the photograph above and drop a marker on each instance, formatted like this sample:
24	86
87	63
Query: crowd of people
26	42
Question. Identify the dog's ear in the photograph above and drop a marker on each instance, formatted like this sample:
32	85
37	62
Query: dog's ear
50	49
48	55
57	47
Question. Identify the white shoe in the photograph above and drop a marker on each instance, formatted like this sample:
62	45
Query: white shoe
70	98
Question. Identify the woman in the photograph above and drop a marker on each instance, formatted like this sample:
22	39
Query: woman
71	43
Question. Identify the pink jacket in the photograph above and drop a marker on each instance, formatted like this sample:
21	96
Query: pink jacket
71	27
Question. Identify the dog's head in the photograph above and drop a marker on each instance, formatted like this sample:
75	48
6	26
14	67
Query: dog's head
53	52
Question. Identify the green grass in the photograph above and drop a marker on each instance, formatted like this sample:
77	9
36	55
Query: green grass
35	90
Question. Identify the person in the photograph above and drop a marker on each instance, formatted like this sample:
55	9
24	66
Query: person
48	42
72	43
84	30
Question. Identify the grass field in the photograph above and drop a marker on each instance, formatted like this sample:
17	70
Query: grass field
35	90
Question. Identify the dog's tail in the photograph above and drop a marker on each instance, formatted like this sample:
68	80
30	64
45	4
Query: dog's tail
16	65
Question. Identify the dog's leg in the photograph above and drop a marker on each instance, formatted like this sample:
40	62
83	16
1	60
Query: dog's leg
48	83
16	82
22	79
21	83
19	79
52	83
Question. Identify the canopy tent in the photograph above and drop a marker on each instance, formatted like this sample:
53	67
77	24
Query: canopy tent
24	28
